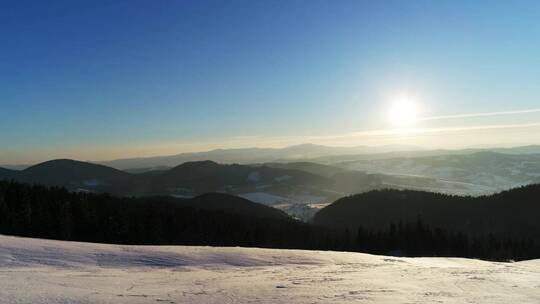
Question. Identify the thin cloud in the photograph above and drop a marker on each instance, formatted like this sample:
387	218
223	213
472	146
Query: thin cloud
391	132
439	130
480	114
368	137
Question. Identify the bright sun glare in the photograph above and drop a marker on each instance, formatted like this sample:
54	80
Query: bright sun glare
403	112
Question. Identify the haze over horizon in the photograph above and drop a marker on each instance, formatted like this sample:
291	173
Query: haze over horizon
105	80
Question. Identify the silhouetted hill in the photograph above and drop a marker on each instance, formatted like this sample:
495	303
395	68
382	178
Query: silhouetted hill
299	188
221	202
233	204
185	180
310	167
509	213
7	173
145	170
194	178
71	174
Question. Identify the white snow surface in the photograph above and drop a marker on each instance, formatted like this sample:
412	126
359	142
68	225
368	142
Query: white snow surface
45	271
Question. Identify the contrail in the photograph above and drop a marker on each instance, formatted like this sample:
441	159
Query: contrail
479	114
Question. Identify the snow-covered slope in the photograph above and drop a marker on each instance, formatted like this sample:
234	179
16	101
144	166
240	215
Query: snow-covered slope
44	271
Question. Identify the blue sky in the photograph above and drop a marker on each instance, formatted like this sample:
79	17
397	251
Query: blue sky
108	79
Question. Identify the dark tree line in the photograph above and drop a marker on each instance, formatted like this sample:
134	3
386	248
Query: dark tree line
509	214
418	239
55	213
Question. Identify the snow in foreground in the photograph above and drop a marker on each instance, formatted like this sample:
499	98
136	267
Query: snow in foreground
43	271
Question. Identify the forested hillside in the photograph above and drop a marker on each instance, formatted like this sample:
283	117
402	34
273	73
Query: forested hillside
512	213
225	220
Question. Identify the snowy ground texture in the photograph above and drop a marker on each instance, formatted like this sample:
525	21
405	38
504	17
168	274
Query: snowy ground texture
43	271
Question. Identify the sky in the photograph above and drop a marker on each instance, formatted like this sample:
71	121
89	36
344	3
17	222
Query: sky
97	80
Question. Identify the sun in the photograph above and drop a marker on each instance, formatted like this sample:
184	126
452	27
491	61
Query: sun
403	112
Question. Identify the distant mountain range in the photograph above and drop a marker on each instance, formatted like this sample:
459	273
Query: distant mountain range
476	173
252	155
301	187
298	153
304	152
332	159
261	183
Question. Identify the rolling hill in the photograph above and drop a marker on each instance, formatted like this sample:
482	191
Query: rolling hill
72	174
299	188
7	173
310	167
262	184
224	203
512	213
